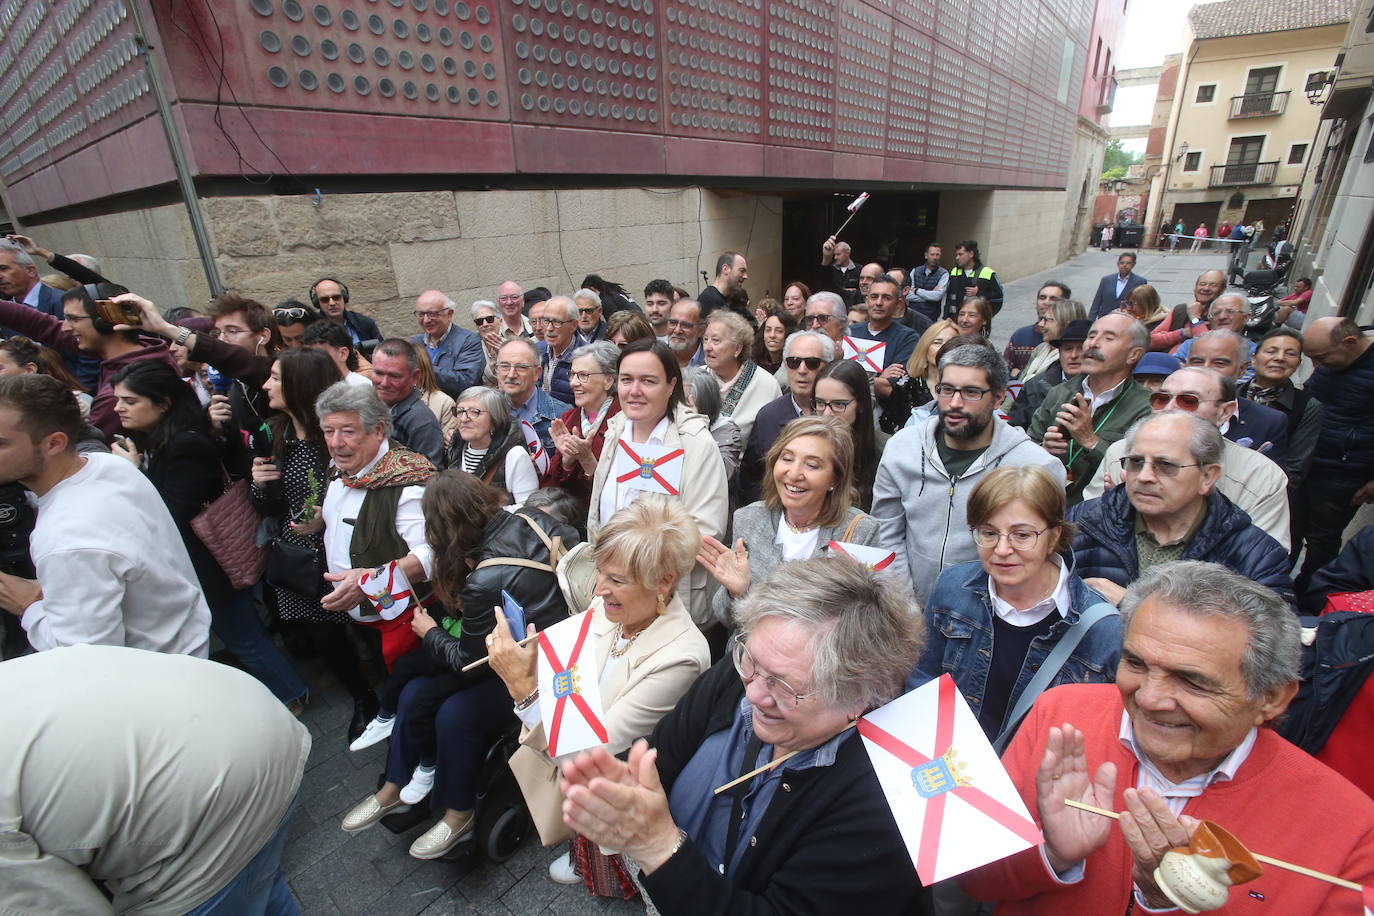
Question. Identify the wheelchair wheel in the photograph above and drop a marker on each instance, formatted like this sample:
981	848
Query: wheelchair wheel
507	832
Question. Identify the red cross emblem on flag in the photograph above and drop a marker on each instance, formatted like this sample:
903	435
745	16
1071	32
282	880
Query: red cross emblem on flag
565	685
946	840
648	470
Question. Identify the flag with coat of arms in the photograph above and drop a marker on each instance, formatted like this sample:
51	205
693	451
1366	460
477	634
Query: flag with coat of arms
570	687
954	804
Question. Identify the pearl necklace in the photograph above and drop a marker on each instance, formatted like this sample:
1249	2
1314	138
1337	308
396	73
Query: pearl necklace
799	529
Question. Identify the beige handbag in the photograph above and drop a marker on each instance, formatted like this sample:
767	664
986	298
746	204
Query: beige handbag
538	777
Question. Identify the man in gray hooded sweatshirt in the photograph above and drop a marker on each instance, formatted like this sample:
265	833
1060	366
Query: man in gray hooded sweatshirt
920	496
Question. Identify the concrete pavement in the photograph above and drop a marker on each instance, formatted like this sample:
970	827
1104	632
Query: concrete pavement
1171	274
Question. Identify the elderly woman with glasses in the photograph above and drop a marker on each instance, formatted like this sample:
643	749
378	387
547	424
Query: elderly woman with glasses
490	444
654	412
993	623
820	642
487	322
808	501
579	435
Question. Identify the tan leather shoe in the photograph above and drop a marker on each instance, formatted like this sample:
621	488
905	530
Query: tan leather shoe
440	839
368	812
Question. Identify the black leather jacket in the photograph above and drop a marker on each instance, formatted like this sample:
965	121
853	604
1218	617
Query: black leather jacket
536	591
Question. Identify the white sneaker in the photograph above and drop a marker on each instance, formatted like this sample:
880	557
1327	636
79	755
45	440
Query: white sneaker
562	870
376	730
421	781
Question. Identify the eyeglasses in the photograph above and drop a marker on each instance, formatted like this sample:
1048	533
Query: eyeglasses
337	297
679	323
1163	468
582	311
73	319
537	322
968	393
583	377
1189	402
485	320
818	319
426	316
510	298
1018	538
232	331
289	315
812	362
839	405
782	692
463	413
555	322
516	367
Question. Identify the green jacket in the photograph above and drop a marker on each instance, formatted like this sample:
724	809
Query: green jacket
1110	421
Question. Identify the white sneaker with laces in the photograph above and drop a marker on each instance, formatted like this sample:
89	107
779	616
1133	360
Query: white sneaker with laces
421	781
562	870
376	731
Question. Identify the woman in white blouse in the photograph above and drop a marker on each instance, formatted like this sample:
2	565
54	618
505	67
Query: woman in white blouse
654	412
647	654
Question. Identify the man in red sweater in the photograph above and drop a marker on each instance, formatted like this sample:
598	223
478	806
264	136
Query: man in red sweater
1209	658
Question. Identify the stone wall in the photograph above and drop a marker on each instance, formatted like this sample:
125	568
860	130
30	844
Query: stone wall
390	247
1018	232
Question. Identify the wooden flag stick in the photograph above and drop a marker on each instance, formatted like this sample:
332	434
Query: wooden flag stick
836	233
1267	860
775	762
486	658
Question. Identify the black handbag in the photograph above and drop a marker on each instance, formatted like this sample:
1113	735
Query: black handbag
295	568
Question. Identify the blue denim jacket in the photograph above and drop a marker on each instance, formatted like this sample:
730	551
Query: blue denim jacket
959	620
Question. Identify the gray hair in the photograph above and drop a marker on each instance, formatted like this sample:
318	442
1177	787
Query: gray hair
345	397
1204	439
1240	300
569	307
607	356
1273	651
737	328
534	351
493	402
704	391
827	344
1237	342
86	261
589	295
1140	335
483	304
866	630
977	356
837	306
21	256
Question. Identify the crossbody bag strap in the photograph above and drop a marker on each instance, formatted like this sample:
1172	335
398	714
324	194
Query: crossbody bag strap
514	561
1051	667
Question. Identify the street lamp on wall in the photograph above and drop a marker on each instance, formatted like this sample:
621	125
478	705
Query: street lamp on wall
1182	151
1317	84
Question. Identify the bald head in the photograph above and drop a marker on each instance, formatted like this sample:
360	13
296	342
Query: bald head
1215	393
1208	286
1334	343
867	275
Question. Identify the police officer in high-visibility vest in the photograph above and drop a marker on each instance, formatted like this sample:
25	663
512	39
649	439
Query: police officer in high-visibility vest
970	277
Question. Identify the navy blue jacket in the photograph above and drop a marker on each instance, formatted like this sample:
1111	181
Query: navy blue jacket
1260	424
1352	571
1346	443
361	328
1105	300
1105	545
458	360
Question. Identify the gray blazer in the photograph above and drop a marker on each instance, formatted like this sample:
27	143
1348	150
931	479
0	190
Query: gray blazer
758	525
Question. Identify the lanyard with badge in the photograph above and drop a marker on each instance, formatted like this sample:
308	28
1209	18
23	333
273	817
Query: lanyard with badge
1073	455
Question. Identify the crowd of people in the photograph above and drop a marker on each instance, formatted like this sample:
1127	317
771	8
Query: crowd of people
1119	497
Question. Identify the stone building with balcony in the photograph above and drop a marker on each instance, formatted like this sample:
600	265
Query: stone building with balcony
1234	132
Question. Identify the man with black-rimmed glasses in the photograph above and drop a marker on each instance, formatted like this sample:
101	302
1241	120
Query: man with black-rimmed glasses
927	470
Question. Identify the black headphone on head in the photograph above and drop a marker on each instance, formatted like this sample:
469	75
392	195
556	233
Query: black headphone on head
314	297
100	324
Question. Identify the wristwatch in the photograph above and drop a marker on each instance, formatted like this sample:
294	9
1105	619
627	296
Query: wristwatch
182	336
